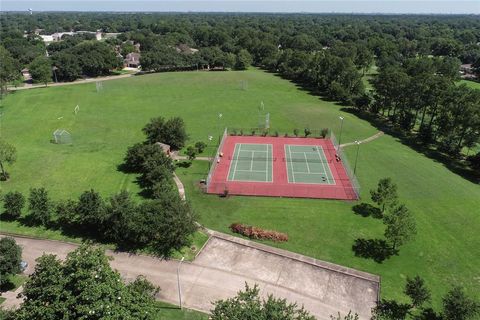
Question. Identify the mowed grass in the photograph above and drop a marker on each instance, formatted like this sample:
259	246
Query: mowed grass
446	206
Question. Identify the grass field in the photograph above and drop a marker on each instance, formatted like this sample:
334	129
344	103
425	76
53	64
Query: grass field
169	312
446	207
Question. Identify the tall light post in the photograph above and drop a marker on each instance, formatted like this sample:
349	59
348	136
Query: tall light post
178	282
219	126
341	128
356	156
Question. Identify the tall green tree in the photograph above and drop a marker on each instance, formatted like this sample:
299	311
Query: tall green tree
84	287
39	205
8	155
10	258
41	70
400	226
385	195
248	305
171	131
243	60
13	203
9	69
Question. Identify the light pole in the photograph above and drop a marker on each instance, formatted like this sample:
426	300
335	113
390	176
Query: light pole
219	126
178	282
356	156
341	128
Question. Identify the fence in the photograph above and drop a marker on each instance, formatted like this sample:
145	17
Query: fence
213	165
275	132
346	164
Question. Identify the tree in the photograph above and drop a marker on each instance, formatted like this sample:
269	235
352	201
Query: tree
400	226
191	153
9	69
68	66
96	58
247	305
458	306
417	291
164	224
120	211
39	206
243	60
171	132
13	203
90	211
386	193
41	70
200	146
8	155
10	258
390	310
84	287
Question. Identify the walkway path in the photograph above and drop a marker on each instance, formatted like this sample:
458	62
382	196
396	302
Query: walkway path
59	84
375	136
223	267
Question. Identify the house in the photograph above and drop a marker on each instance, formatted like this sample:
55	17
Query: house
466	71
165	147
185	49
27	77
132	60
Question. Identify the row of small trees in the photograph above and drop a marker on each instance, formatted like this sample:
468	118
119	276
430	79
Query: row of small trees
162	224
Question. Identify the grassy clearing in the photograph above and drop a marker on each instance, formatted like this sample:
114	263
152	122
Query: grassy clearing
444	205
471	84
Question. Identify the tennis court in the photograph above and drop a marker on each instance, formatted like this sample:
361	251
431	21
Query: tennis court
251	162
307	164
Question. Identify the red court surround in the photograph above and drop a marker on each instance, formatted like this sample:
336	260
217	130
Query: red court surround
280	187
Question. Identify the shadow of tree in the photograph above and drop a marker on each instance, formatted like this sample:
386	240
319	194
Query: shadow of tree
7	286
428	314
367	210
183	164
376	249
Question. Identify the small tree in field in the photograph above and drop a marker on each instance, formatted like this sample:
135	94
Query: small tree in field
8	155
191	153
417	291
13	202
200	146
39	206
386	193
458	306
400	226
295	132
171	132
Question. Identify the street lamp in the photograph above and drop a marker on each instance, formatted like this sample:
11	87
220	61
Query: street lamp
356	157
178	282
219	126
341	127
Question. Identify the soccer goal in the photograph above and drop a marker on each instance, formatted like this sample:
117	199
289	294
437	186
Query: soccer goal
62	136
99	86
244	85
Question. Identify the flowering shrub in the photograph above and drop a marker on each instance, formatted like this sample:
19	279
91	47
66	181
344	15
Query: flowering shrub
258	233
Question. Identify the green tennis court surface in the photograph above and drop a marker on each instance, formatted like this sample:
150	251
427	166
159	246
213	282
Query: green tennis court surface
251	162
307	164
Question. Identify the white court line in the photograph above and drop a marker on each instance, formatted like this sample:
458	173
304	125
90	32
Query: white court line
251	160
291	164
240	170
306	162
236	161
325	171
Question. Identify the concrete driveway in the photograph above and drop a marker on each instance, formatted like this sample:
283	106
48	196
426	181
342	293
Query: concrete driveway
223	267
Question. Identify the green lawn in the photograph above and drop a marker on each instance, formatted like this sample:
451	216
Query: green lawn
471	84
445	206
170	312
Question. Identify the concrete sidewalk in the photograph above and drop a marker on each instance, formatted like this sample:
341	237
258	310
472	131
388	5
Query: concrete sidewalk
223	267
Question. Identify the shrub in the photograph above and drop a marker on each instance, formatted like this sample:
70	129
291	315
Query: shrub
275	134
191	153
13	202
307	132
200	146
253	132
295	132
324	132
258	233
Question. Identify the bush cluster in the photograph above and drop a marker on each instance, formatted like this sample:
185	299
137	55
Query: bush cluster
258	233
